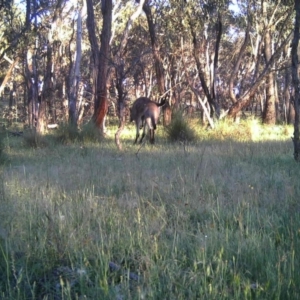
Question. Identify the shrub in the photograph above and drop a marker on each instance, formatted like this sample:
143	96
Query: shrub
89	133
67	133
34	140
180	129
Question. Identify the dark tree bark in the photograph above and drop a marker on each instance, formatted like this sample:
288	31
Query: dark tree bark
121	103
91	26
101	103
288	105
100	60
32	77
296	82
216	57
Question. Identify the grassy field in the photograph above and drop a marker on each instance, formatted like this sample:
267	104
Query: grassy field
214	219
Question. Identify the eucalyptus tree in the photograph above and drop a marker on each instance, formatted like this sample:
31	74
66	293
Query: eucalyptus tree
74	73
288	105
296	81
200	27
276	20
47	90
44	55
121	71
267	32
100	58
13	26
158	64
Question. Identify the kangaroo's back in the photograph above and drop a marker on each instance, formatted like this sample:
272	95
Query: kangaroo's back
138	108
152	113
145	113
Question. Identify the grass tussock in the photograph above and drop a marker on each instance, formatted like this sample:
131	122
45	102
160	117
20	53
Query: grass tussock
180	129
32	139
89	133
67	134
3	156
218	219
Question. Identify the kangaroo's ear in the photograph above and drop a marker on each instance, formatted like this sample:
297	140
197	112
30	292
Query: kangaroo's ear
162	102
165	99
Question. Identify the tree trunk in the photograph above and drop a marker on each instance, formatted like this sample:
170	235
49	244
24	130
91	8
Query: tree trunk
120	73
295	76
201	73
288	105
160	76
75	74
47	92
32	90
91	26
121	113
269	113
101	103
238	62
245	99
100	60
216	56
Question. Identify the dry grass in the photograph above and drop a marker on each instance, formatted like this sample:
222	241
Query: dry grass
212	219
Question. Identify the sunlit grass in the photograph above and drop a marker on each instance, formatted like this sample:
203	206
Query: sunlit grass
214	219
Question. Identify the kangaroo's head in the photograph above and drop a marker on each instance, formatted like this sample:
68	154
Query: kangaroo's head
164	100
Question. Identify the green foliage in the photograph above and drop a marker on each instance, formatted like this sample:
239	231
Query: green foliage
180	129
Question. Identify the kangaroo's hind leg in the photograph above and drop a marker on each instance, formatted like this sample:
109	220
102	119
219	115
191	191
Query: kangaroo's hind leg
147	123
138	126
151	131
142	122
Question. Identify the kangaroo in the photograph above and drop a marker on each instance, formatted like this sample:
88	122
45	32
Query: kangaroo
145	113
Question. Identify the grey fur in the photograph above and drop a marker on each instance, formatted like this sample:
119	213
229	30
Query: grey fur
145	113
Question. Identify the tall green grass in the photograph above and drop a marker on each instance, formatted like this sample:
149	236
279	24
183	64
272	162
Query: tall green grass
216	219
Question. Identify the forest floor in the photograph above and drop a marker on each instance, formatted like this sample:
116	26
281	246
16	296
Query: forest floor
218	218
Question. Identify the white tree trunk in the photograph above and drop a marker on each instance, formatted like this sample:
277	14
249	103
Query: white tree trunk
75	72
